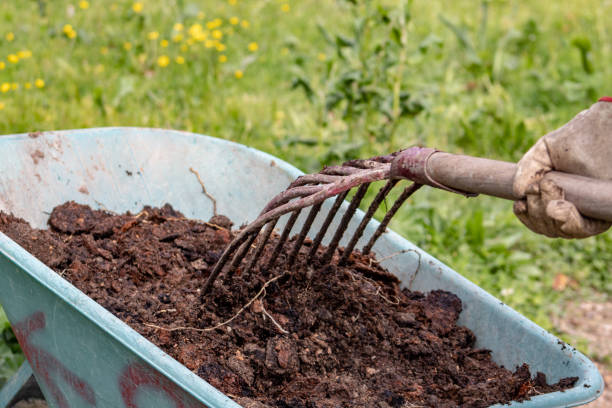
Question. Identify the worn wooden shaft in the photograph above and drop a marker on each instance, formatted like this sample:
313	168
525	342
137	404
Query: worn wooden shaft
467	174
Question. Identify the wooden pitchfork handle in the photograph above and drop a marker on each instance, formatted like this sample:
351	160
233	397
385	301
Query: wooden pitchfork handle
474	175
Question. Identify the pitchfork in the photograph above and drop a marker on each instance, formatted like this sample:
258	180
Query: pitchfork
465	175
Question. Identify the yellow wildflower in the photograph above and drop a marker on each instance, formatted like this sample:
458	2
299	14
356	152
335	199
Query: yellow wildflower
321	56
221	47
184	47
137	7
2	105
39	83
9	36
217	34
12	58
234	20
232	2
163	61
178	27
84	4
177	38
209	43
238	74
201	15
285	7
164	43
195	29
14	86
27	85
5	87
23	54
153	35
179	60
127	45
67	28
104	50
2	65
72	34
190	41
253	47
245	24
222	58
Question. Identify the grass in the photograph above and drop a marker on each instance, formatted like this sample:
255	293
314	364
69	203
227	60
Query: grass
483	79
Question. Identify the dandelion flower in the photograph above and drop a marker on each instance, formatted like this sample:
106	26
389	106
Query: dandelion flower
195	29
14	86
178	27
179	60
285	7
39	83
67	28
2	65
72	34
12	58
2	105
253	47
153	35
245	24
104	50
221	47
137	7
84	4
5	87
27	85
163	61
222	58
238	74
23	54
321	56
127	45
209	43
234	20
217	34
164	43
177	38
232	2
9	36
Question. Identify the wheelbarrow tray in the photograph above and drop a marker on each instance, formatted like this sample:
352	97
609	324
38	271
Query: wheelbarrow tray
83	356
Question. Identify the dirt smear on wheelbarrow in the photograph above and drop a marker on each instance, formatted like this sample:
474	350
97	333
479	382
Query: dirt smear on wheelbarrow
304	337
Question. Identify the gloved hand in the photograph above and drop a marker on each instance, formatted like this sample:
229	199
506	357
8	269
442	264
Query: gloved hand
583	147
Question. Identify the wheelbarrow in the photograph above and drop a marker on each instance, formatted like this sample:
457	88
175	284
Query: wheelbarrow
83	356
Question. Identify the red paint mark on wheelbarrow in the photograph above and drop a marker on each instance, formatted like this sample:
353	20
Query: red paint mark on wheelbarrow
46	365
138	375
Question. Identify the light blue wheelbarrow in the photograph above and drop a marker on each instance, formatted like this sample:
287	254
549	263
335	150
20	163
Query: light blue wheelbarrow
82	356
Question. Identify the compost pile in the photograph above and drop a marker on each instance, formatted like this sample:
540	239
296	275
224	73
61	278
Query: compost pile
306	336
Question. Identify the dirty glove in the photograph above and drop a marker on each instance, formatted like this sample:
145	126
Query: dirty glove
583	147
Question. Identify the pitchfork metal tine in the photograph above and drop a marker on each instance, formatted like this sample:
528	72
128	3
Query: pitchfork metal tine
408	191
283	237
382	193
361	191
261	245
300	239
330	216
240	254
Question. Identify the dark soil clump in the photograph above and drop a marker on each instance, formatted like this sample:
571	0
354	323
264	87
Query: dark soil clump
310	336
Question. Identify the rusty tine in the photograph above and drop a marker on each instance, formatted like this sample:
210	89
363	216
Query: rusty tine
239	256
382	193
283	238
221	262
261	245
300	239
330	216
408	191
361	191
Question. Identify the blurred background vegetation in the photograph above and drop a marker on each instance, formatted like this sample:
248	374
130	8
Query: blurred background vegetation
319	82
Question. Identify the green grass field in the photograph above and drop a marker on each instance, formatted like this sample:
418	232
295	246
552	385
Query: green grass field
317	82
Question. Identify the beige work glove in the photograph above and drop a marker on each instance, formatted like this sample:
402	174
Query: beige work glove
583	147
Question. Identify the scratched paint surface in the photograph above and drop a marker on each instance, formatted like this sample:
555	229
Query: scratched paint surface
85	357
